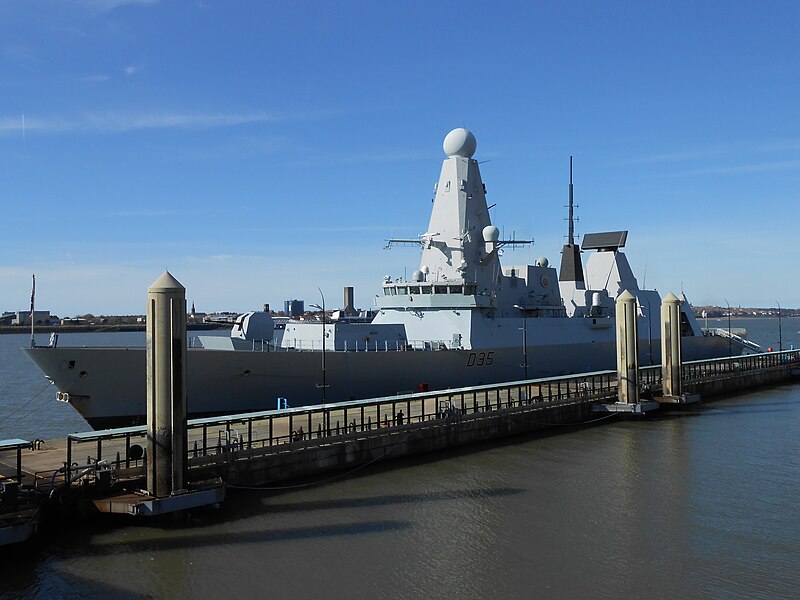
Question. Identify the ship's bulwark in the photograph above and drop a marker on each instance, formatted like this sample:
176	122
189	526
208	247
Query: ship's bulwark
228	382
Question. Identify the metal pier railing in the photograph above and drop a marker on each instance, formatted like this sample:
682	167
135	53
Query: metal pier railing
120	450
119	453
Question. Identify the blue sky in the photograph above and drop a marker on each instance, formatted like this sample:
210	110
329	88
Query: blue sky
260	150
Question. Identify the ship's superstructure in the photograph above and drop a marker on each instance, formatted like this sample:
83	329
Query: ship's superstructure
460	319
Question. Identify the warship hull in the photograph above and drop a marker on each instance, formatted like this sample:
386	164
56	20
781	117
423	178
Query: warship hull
107	386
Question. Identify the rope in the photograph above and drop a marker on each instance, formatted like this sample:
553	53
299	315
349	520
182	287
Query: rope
6	424
574	422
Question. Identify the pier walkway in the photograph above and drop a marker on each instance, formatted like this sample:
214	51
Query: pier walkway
220	446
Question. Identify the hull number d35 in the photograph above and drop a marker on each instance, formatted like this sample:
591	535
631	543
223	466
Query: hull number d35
480	359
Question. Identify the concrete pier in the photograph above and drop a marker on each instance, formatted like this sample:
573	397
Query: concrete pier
671	345
170	490
627	349
166	386
671	359
267	448
628	381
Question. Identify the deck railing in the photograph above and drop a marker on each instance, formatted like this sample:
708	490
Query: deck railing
121	450
365	345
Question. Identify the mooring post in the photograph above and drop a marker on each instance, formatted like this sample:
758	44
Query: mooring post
627	350
166	386
671	345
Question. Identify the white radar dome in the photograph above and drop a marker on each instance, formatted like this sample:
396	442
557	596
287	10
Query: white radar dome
460	142
491	233
542	262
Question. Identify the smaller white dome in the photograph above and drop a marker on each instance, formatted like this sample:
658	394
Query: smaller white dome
542	262
491	233
460	142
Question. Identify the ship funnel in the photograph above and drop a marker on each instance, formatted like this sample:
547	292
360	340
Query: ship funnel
349	303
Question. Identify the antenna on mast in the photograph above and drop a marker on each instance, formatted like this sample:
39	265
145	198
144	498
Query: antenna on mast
571	239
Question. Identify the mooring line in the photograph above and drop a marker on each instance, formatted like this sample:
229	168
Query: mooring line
6	425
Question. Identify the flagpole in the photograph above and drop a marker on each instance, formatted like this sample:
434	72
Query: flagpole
33	295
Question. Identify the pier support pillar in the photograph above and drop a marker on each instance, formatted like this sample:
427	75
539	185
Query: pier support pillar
166	386
671	345
627	349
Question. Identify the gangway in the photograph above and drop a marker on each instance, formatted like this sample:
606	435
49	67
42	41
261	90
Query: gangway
737	340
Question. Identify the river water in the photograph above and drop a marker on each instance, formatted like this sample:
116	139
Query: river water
693	504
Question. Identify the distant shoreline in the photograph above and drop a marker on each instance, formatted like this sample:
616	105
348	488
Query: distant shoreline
42	329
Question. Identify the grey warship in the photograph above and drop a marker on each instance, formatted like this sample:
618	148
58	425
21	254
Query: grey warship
461	319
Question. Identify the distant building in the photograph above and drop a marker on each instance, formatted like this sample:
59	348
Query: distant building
73	321
293	308
40	317
220	317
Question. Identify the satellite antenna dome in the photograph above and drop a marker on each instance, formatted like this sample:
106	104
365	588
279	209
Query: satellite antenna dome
491	233
417	276
542	262
460	142
425	269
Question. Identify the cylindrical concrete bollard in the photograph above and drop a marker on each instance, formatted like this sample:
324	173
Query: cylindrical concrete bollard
166	386
627	349
671	345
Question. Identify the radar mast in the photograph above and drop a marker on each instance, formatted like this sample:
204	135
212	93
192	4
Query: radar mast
571	267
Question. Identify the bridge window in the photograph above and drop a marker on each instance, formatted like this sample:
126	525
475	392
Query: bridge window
686	327
440	289
455	289
413	289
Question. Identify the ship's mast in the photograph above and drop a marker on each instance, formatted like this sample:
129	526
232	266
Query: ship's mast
571	240
571	267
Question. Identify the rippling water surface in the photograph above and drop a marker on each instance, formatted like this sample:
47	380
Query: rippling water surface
697	504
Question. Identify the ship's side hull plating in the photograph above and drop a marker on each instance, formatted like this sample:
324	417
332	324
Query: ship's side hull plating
107	385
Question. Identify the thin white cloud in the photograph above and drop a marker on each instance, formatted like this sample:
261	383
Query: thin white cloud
718	150
102	6
130	70
784	165
13	125
21	55
364	158
151	213
96	78
111	122
679	156
353	229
